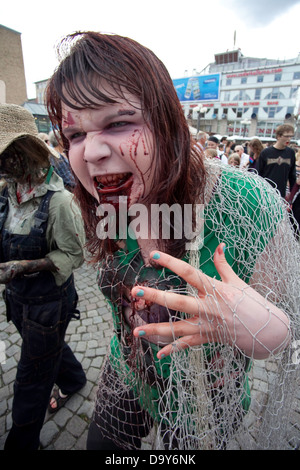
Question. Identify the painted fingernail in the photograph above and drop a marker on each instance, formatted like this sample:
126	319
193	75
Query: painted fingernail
140	293
156	256
162	356
224	248
142	333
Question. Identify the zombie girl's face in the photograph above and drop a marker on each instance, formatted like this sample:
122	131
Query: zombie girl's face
110	149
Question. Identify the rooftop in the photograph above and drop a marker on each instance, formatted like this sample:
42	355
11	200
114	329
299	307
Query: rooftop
235	60
36	109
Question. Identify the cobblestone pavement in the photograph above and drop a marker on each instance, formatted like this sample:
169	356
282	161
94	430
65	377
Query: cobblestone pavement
89	338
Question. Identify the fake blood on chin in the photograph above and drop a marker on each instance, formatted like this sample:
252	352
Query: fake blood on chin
110	194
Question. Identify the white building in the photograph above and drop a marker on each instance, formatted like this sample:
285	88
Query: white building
255	96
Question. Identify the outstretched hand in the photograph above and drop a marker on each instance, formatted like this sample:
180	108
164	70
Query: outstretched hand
9	270
226	311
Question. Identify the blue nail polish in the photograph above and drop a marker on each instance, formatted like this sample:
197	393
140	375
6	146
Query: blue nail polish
142	333
162	356
156	256
140	293
224	249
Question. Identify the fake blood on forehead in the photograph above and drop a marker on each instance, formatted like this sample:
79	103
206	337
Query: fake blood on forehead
68	121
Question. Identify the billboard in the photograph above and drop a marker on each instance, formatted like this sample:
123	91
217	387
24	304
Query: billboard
199	88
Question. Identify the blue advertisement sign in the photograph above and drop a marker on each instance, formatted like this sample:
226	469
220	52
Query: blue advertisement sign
200	88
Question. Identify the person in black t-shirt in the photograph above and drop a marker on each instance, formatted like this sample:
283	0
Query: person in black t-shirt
277	163
294	201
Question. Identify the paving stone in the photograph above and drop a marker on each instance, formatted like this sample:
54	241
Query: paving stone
3	408
10	363
9	376
62	417
80	443
92	343
93	374
65	441
86	410
48	433
76	426
74	402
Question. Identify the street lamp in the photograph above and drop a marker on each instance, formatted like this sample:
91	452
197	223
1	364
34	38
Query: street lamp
245	122
200	109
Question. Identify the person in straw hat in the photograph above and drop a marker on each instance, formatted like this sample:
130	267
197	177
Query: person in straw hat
42	237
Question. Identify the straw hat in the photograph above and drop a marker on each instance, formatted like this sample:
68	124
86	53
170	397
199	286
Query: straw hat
15	123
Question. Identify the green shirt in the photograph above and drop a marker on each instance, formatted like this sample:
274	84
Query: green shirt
240	213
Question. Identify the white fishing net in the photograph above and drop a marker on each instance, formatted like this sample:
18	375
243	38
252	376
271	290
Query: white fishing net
211	396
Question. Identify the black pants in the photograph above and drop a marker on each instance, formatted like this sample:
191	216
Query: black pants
119	421
45	359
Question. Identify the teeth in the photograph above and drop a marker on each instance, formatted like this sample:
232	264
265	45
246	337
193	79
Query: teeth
111	180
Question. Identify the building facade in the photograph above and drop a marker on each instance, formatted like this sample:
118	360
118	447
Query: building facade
255	96
13	82
40	88
12	75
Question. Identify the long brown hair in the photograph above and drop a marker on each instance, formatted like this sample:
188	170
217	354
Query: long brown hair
256	146
88	58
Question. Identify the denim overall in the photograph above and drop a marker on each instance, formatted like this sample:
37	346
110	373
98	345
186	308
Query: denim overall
41	311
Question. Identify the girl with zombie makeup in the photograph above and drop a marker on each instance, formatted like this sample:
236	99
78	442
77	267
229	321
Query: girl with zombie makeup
193	309
41	243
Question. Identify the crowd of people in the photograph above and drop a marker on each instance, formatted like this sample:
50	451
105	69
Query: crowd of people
212	304
279	164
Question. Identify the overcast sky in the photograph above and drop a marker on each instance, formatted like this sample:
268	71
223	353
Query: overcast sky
185	35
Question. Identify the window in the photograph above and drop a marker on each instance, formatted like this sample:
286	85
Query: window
230	128
275	93
227	96
239	113
243	80
271	112
242	96
293	92
228	82
257	94
261	127
296	76
260	78
277	77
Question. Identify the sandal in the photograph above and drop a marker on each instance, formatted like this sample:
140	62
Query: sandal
60	401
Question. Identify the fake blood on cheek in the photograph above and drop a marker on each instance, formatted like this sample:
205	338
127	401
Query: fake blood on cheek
113	197
137	137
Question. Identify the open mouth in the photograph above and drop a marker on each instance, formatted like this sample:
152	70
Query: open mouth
113	183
